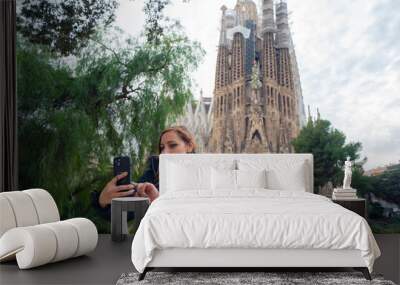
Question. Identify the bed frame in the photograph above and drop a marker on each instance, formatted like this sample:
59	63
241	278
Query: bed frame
248	259
244	259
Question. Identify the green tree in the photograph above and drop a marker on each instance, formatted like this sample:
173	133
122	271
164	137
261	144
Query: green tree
154	27
386	188
375	211
387	185
329	148
64	26
115	98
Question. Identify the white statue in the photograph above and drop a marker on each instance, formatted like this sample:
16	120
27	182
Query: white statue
347	174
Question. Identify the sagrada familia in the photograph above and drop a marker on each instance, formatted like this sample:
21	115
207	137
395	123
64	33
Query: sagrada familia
257	105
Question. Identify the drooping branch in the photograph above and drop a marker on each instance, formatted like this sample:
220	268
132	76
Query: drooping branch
127	91
111	50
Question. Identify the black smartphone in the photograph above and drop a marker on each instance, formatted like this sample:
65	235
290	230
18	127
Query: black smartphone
122	164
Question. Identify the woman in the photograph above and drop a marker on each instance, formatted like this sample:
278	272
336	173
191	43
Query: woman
176	139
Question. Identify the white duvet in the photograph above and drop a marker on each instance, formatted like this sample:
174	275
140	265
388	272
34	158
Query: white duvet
251	218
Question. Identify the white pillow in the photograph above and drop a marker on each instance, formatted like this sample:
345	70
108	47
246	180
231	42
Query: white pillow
188	177
287	176
251	178
282	174
223	179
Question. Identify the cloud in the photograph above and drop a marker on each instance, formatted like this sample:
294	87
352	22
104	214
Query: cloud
348	54
349	58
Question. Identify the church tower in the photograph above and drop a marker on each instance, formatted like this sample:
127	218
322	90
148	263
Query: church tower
256	107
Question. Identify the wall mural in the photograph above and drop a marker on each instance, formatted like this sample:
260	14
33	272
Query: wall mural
100	79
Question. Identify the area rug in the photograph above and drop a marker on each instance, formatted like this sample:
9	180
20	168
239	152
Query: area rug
273	278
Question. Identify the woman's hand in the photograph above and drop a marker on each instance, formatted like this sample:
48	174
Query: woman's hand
147	190
111	190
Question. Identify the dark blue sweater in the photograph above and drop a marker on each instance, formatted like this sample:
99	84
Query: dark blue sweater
150	175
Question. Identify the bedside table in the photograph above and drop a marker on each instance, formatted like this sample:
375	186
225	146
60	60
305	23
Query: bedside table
358	205
119	209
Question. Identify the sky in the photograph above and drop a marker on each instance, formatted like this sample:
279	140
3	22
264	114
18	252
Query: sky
348	53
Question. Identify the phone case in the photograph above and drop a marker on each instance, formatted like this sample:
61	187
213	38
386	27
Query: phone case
122	164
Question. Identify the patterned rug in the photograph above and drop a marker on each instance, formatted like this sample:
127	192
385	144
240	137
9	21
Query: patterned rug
273	278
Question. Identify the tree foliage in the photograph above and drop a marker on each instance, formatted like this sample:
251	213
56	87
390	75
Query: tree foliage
386	189
154	27
115	98
387	185
64	26
329	148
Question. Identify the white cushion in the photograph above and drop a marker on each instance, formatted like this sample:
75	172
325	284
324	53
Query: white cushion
26	208
67	239
7	218
287	176
32	246
248	161
169	180
224	179
282	174
45	205
251	178
23	208
231	180
87	235
189	177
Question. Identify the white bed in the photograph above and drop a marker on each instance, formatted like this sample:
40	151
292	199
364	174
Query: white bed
197	224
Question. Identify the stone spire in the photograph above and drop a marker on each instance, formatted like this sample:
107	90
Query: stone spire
283	41
283	35
221	74
222	36
268	23
255	103
246	10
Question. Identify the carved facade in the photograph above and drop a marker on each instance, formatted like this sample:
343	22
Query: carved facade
257	104
197	119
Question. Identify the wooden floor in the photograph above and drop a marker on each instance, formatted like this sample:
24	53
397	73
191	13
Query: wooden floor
110	260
